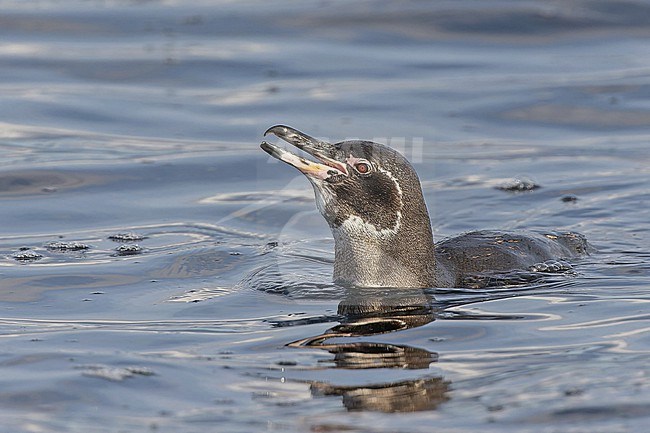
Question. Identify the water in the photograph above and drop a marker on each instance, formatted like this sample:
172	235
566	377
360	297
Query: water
217	313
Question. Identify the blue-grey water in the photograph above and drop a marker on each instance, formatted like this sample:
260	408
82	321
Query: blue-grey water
158	272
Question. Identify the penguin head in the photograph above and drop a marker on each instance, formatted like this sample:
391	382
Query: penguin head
360	186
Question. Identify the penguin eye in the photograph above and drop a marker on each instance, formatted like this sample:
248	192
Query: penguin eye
362	167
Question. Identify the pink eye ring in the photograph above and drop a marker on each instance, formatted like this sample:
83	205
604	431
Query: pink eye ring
362	167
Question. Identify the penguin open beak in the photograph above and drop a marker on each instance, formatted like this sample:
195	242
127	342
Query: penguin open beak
321	150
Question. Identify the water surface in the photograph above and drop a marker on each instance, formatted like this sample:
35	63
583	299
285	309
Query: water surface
159	272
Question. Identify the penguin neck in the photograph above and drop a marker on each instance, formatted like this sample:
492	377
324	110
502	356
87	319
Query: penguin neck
400	257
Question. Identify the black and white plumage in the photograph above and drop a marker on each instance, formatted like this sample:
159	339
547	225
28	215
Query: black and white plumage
371	197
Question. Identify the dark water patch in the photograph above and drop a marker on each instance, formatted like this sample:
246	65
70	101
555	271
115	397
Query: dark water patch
576	116
33	287
583	414
42	399
32	182
523	23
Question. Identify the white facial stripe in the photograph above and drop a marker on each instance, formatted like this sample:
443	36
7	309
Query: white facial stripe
389	174
354	225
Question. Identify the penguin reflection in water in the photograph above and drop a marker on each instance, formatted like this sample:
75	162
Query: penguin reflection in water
371	197
365	312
